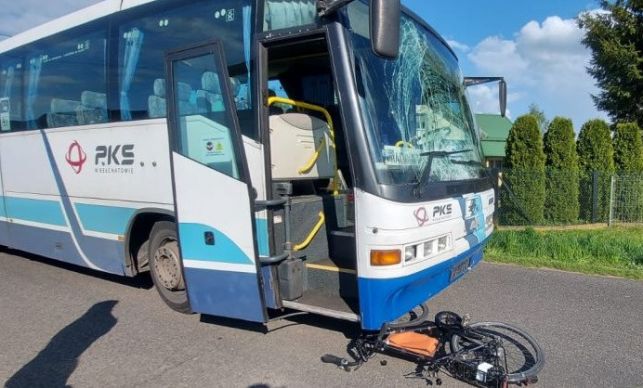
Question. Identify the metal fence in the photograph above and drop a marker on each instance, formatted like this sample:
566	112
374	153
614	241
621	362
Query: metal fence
626	199
570	198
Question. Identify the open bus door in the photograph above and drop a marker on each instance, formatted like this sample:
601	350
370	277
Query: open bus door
212	190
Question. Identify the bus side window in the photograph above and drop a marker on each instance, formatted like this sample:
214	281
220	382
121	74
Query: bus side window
143	42
280	14
11	115
59	71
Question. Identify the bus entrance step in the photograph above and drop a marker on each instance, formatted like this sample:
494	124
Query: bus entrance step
330	306
325	276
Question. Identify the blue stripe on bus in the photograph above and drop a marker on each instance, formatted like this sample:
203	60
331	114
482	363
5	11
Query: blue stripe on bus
224	250
59	245
104	219
262	237
35	210
384	300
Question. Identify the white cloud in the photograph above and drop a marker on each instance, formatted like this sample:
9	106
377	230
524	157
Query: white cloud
497	57
544	63
485	99
458	45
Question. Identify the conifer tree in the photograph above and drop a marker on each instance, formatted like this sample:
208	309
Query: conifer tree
561	187
523	199
596	163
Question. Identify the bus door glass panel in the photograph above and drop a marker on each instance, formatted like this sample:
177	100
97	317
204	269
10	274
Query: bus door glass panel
212	195
204	127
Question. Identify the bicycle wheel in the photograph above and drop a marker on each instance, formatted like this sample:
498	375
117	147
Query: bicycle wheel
524	357
418	315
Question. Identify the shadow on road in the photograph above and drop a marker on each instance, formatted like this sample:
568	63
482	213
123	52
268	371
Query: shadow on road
58	360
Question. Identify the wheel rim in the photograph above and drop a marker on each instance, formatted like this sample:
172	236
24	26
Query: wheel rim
523	355
167	266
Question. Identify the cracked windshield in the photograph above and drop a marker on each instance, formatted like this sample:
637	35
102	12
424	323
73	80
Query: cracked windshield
414	107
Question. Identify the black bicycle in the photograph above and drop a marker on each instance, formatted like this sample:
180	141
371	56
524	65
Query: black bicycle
484	354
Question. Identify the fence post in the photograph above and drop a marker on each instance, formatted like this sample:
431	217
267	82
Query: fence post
594	196
610	221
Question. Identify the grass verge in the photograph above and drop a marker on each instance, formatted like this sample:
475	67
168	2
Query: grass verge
610	251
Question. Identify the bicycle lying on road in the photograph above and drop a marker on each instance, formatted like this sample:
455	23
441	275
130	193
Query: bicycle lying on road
483	354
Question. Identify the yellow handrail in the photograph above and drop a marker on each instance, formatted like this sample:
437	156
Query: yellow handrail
403	143
331	127
304	244
311	163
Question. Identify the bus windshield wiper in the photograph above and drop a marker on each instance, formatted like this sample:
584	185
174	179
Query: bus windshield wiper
469	163
426	173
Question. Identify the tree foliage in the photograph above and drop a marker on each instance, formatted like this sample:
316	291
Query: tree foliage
628	160
535	111
596	163
628	148
524	198
561	184
615	38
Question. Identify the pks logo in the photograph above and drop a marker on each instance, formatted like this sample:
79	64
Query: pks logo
76	157
119	155
421	216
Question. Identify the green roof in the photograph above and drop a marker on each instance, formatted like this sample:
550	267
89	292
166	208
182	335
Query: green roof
493	149
495	131
494	127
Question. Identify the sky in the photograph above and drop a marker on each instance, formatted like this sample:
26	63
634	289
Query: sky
534	44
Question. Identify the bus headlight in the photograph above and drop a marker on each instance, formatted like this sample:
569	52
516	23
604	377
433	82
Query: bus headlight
489	221
410	253
443	243
388	257
428	248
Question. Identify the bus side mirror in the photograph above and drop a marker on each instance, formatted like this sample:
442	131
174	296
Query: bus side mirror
503	97
385	27
502	89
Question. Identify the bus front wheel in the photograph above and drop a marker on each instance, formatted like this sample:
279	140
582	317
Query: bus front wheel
165	266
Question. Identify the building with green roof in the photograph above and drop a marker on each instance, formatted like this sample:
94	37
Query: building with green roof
494	133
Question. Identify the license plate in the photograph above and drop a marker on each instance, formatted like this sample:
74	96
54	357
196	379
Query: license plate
459	269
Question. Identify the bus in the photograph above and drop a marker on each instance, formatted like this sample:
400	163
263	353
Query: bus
254	156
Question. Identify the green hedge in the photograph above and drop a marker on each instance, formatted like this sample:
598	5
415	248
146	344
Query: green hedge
628	160
596	163
561	184
524	202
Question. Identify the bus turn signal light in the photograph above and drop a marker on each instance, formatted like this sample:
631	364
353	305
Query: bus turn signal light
382	258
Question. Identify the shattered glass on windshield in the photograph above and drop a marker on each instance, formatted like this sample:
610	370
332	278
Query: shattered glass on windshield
414	107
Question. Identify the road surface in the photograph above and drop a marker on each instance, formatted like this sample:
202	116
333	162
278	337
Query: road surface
64	326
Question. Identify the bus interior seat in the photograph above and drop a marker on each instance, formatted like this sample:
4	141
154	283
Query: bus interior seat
63	113
288	13
187	106
294	138
157	103
93	108
208	98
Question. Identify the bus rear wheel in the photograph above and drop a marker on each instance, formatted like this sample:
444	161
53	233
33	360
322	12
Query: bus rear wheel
165	266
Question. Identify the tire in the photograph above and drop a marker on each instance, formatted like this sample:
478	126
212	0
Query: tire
415	317
526	359
165	266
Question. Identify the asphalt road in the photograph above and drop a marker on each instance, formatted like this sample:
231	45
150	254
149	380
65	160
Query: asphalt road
61	326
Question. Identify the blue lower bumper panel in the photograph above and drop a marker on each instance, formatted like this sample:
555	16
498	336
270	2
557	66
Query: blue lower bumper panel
224	294
384	300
